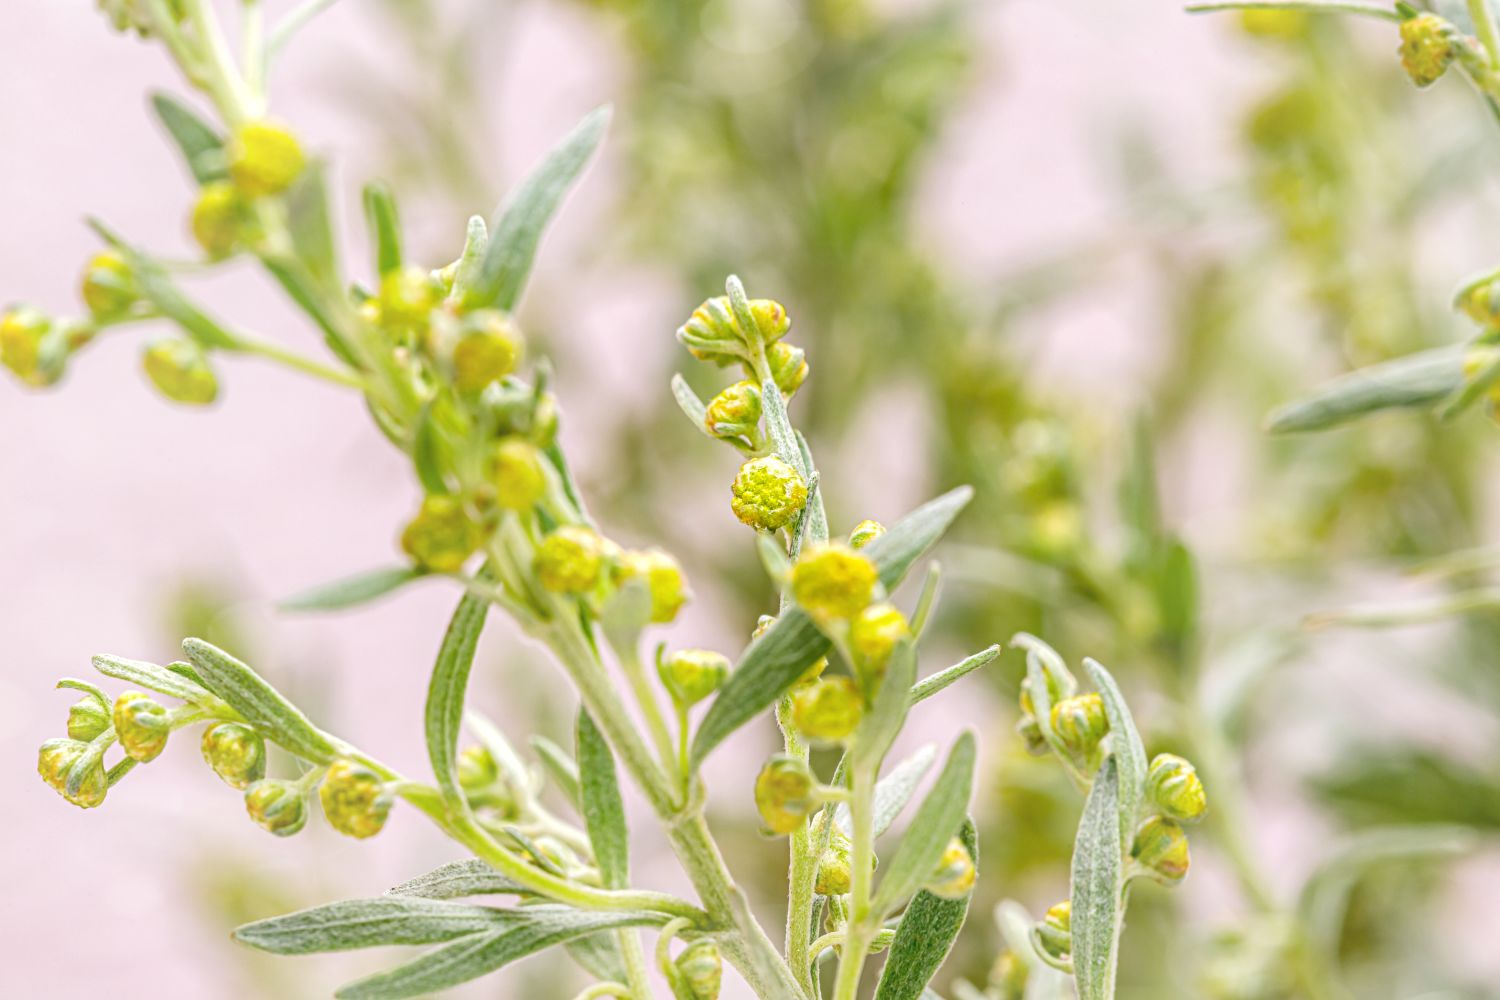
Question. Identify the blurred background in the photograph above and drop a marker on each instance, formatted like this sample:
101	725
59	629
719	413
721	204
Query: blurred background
1069	253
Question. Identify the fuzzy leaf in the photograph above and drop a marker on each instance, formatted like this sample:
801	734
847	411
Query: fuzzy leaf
365	923
310	220
892	792
445	694
426	452
603	808
937	820
929	686
561	768
1097	880
1125	747
158	288
201	146
353	591
152	678
1414	380
261	704
925	936
691	406
385	227
457	879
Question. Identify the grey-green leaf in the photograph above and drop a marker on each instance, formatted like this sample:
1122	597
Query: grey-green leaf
151	677
1097	877
457	879
603	808
365	923
561	768
1125	745
261	704
892	792
385	227
1417	379
310	220
200	144
352	591
446	691
936	822
925	936
909	538
691	406
929	686
157	288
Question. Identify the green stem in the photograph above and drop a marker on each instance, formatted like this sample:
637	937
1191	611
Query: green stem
599	990
634	956
862	863
302	364
802	874
1483	17
645	697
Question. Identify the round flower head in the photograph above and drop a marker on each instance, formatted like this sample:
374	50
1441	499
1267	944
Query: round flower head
1176	789
864	533
833	581
87	718
771	317
1161	849
663	577
74	771
219	219
834	876
1426	48
264	158
407	297
734	413
788	366
21	332
569	560
829	710
873	634
141	726
690	675
768	493
236	753
489	347
1055	932
476	769
520	481
441	537
1080	723
354	799
278	807
785	793
108	286
699	971
954	876
179	369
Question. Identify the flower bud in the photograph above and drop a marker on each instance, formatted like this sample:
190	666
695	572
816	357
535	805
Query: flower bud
788	367
768	493
734	414
75	771
828	710
954	876
1175	787
489	347
1080	723
407	297
1161	849
690	675
663	577
441	537
785	793
1055	932
108	286
236	753
520	481
278	807
771	317
180	371
873	634
570	559
1481	303
1008	976
354	799
711	334
219	221
864	533
1426	48
476	769
141	725
264	158
21	331
699	971
833	581
87	718
835	872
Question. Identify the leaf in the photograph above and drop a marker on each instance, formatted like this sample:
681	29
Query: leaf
1409	786
261	704
773	662
353	591
385	227
471	261
559	766
1125	747
426	452
882	723
445	695
151	677
892	792
1385	12
529	930
1177	595
1097	876
924	937
603	809
293	279
937	820
929	686
157	288
471	877
691	406
310	221
201	146
365	923
517	227
599	955
1414	380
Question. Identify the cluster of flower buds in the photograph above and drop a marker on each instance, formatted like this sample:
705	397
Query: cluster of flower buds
1480	301
74	766
1428	44
691	675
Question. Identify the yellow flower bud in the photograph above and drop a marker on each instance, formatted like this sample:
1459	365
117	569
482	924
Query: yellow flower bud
734	414
264	158
517	473
21	332
354	799
108	286
569	560
1055	932
236	753
141	725
785	794
441	537
690	675
1160	848
711	334
873	634
788	367
1427	48
954	876
407	298
75	771
833	581
220	221
1080	723
476	769
489	347
864	533
829	710
1481	303
87	718
1175	787
1008	976
771	317
835	874
663	577
699	971
180	371
278	807
768	493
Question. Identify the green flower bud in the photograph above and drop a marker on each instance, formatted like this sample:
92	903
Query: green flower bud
264	158
278	807
690	675
220	221
713	334
873	634
1161	850
75	771
489	347
771	317
833	581
21	331
953	878
570	560
835	873
141	725
785	794
407	297
1008	976
354	799
664	579
1175	787
87	718
517	473
1055	932
768	493
699	971
1080	723
734	414
477	769
236	753
441	537
1427	47
108	286
180	371
864	533
1481	303
829	710
788	367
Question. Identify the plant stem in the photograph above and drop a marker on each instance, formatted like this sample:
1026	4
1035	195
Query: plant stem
1483	17
634	956
645	697
305	365
862	858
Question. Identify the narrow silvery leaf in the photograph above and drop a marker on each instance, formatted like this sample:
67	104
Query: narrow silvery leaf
1414	380
603	809
385	227
817	517
427	452
151	677
158	289
1125	746
925	936
352	591
446	692
531	929
892	792
907	540
691	406
471	261
261	704
929	686
559	767
1097	880
365	923
458	879
310	220
517	228
599	955
201	146
881	724
936	822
